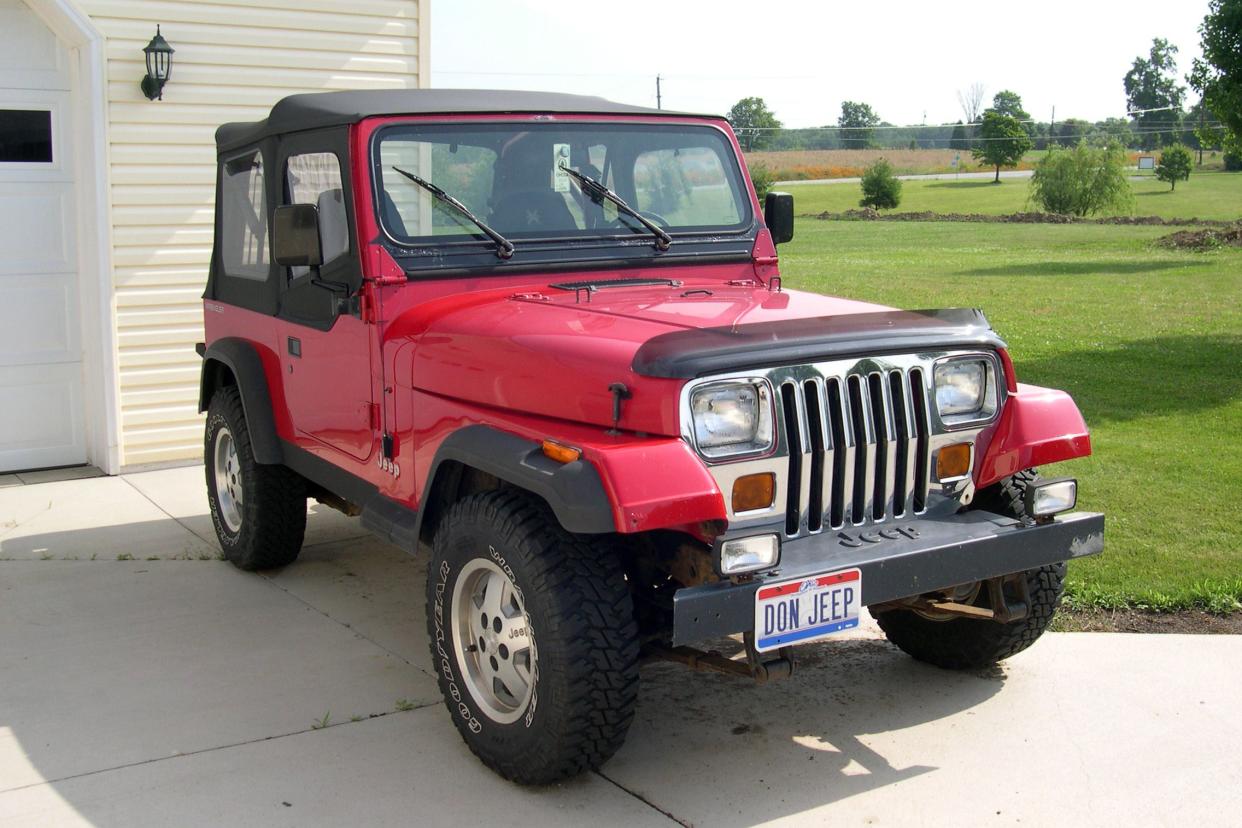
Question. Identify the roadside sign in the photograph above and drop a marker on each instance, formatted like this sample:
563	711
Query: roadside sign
1147	162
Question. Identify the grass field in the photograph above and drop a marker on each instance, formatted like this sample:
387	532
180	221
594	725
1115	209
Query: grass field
1148	341
1209	195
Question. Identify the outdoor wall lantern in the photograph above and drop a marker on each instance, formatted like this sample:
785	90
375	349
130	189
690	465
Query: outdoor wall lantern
159	66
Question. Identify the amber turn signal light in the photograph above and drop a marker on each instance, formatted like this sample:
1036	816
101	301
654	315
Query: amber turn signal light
953	461
560	453
753	491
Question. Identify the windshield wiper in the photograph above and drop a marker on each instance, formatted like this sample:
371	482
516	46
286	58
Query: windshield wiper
504	247
598	191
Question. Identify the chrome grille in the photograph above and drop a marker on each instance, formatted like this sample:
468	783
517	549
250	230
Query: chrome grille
858	447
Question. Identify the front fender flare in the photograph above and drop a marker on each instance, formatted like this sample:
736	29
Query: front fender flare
246	366
1037	426
574	490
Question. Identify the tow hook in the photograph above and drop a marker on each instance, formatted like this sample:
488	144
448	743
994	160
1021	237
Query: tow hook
761	667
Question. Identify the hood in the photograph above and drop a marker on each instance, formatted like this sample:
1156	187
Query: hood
555	351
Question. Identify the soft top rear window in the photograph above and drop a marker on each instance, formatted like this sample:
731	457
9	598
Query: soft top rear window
685	178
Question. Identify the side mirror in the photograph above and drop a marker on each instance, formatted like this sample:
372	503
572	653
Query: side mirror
778	215
295	236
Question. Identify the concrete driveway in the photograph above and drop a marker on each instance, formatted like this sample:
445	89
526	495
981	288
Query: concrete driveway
167	688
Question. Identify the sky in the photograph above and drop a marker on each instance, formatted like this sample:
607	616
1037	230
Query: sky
906	59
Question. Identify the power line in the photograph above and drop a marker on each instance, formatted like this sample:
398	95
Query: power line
1146	124
620	75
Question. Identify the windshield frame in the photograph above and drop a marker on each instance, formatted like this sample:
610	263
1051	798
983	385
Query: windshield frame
732	166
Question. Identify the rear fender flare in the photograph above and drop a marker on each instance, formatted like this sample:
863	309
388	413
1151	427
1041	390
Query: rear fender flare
241	360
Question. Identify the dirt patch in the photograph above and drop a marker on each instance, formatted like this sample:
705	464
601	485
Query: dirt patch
1138	621
1203	239
871	214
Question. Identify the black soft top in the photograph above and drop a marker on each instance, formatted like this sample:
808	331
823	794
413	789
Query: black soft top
326	109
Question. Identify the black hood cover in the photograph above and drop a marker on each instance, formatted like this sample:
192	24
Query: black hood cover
695	353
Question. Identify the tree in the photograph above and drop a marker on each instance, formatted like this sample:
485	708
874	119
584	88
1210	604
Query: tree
1002	141
1217	76
881	189
1154	95
971	100
762	178
1009	103
1208	133
753	122
1112	130
1174	165
857	123
1082	180
1071	131
958	140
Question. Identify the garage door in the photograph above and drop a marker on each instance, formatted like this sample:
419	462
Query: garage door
42	420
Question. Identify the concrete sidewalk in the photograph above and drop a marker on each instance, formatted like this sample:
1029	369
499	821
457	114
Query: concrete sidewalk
169	688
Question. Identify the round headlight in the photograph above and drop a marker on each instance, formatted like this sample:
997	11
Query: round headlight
731	418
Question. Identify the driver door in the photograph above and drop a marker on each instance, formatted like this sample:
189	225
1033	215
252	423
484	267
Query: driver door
325	349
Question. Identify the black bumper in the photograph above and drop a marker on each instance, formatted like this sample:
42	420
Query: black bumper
897	560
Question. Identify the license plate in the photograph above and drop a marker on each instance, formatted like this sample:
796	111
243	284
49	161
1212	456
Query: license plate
808	609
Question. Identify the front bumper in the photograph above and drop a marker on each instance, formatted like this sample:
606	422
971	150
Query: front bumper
898	560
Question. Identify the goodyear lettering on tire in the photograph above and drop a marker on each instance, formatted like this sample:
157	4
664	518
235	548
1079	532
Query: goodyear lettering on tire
446	662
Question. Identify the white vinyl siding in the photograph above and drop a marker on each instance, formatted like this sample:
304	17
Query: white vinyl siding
233	60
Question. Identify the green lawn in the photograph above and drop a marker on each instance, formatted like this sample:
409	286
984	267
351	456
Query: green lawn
1209	195
1148	341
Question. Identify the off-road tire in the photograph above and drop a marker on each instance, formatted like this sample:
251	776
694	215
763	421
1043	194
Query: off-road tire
273	511
578	607
968	643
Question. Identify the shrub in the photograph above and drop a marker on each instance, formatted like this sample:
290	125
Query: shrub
1174	165
881	189
1083	180
762	178
1233	161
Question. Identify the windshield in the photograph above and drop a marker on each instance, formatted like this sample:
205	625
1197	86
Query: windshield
684	179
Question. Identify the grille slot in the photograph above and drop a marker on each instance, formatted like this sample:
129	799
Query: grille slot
901	423
921	428
843	456
815	425
793	431
857	448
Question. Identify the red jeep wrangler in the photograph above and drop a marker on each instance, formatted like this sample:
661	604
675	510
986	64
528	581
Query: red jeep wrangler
546	336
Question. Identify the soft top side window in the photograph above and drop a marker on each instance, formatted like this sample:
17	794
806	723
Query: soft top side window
315	178
243	232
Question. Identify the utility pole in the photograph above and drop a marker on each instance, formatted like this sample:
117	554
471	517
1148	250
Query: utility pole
1052	126
658	106
1199	136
